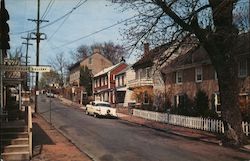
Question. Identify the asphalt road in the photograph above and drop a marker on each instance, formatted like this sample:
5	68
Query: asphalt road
117	140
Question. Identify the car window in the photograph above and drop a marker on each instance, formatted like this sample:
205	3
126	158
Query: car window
103	104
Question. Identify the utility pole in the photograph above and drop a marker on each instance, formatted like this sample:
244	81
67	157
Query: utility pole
26	57
37	38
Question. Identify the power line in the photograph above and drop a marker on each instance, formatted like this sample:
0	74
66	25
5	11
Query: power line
60	18
48	8
56	20
96	32
62	23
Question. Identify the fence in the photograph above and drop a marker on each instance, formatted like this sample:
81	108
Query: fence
198	123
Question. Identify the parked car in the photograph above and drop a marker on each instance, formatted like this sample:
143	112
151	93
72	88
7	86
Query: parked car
99	108
48	94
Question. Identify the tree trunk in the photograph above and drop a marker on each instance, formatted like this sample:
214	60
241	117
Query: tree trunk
229	93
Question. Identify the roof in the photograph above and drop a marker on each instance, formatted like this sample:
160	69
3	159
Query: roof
74	65
194	56
197	55
165	52
79	62
148	58
124	70
106	70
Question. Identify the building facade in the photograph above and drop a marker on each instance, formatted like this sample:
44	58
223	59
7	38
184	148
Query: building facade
95	63
124	95
104	83
193	72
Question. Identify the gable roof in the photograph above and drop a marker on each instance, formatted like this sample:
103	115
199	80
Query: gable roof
79	62
106	70
74	65
124	70
197	55
148	58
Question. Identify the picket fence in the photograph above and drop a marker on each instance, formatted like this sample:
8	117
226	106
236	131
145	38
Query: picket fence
199	123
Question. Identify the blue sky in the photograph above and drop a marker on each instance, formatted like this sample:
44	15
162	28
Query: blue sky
90	17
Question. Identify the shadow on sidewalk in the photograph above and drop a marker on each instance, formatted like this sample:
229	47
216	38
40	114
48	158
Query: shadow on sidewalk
40	138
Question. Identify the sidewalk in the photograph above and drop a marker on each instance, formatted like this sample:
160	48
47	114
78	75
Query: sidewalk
49	144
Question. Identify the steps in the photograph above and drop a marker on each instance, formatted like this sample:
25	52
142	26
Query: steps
14	141
16	156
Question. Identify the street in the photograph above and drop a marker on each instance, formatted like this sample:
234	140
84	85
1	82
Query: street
117	140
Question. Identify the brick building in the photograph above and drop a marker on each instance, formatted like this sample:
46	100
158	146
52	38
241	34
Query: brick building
193	71
95	63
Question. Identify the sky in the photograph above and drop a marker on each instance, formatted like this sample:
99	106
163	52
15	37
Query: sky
91	16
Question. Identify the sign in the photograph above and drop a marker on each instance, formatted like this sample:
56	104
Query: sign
34	69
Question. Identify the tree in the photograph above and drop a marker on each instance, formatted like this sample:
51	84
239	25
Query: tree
212	24
48	78
113	52
59	64
86	79
201	107
81	52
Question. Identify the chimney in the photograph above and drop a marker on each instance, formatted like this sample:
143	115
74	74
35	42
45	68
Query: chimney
146	48
97	50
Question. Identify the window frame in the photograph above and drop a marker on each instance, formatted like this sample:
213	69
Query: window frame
177	74
198	71
240	74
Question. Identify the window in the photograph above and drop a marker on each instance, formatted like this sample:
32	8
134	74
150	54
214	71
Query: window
244	101
90	60
123	81
146	98
198	74
143	73
102	81
148	73
242	69
137	74
119	81
215	75
179	100
179	75
106	80
217	102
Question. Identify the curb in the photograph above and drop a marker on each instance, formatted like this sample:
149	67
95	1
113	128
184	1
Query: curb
176	133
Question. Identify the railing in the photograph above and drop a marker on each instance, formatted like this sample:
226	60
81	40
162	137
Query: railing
28	121
199	123
246	128
140	82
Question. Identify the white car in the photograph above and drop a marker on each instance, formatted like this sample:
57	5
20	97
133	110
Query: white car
99	108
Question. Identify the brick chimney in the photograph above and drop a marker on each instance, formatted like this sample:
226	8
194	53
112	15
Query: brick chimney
97	50
146	48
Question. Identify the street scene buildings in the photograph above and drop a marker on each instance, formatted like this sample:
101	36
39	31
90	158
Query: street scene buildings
176	87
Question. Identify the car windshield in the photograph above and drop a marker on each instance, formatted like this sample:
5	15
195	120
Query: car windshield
103	104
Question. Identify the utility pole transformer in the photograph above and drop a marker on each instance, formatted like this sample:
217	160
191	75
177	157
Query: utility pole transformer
37	38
